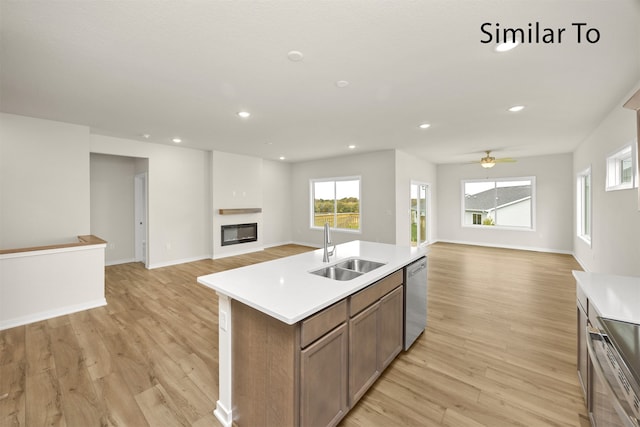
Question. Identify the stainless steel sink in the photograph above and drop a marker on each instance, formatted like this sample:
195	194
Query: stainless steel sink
348	269
360	265
336	273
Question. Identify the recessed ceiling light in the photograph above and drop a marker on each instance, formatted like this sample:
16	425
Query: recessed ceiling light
516	108
342	83
177	140
282	157
424	126
244	114
295	55
146	135
351	147
506	46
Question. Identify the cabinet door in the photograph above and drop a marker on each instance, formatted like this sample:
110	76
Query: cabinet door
583	357
323	380
364	367
390	336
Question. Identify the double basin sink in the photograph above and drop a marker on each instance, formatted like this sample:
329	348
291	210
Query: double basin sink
348	269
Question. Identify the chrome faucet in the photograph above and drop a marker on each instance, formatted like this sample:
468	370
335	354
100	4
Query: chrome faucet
327	243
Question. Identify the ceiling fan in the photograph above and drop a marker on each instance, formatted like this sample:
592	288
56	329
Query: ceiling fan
488	161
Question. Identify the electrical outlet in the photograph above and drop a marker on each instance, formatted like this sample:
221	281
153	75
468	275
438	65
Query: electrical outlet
223	320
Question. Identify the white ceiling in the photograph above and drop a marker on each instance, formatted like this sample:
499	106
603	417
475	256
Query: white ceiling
184	68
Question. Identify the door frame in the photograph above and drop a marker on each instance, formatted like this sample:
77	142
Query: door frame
428	213
141	218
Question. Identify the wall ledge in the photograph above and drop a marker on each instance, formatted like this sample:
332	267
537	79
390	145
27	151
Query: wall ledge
83	241
239	211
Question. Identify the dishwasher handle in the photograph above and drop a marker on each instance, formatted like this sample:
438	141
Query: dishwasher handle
416	268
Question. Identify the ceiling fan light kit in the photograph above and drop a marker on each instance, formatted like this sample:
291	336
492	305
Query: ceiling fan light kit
488	162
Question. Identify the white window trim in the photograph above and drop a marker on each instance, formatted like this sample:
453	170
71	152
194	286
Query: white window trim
613	162
579	205
534	199
312	207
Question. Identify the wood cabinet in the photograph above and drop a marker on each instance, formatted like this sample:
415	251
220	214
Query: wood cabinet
363	352
323	385
324	367
375	333
313	372
583	356
391	327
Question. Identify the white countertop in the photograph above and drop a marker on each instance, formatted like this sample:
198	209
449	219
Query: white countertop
284	288
615	297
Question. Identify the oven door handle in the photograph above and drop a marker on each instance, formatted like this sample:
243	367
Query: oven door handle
618	402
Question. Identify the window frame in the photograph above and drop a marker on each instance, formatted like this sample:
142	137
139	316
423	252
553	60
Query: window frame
532	226
614	169
584	206
312	225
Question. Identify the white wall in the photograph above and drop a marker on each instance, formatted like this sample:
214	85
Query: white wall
410	168
554	205
38	285
112	205
44	182
378	207
615	240
250	182
276	203
237	183
179	194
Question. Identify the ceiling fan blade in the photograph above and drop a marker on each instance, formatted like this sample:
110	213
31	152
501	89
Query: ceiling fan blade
505	160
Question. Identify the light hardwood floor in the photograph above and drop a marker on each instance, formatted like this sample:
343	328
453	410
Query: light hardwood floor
499	350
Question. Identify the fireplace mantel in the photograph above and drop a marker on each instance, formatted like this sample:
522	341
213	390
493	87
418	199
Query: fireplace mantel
239	211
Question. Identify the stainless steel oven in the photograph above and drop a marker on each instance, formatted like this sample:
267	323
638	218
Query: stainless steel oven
614	368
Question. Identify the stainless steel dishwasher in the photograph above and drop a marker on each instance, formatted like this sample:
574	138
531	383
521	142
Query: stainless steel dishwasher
415	300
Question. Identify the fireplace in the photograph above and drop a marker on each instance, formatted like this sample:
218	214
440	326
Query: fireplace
239	233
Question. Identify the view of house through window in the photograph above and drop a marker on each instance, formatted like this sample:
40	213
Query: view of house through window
620	169
336	201
507	202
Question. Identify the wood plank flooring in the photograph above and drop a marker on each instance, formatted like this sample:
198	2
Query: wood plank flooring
499	350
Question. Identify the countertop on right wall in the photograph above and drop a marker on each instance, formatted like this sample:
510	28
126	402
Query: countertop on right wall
614	297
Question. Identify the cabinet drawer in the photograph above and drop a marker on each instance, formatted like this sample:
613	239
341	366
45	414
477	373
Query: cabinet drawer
369	295
320	323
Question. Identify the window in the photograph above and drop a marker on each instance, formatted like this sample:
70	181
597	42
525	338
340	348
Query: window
620	169
336	201
583	193
504	203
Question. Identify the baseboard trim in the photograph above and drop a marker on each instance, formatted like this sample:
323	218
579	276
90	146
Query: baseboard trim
580	262
223	414
119	261
516	247
177	261
49	314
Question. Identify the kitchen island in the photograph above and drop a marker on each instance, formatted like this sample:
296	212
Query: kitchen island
608	322
279	324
